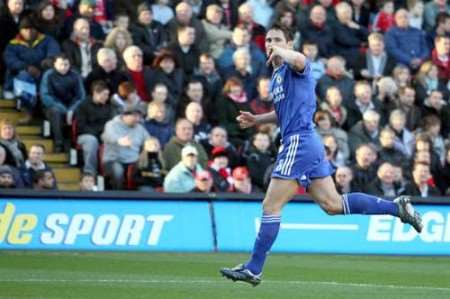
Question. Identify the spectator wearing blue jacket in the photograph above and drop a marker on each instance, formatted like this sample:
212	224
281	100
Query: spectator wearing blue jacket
26	57
61	92
155	123
406	44
241	39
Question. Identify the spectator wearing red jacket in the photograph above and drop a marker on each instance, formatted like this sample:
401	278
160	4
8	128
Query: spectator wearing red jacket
441	56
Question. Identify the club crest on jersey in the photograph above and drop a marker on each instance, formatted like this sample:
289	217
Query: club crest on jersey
278	79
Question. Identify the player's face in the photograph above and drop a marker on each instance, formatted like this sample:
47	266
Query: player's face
275	38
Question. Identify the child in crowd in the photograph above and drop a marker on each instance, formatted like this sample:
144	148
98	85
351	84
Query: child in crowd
127	96
384	20
150	175
310	49
333	104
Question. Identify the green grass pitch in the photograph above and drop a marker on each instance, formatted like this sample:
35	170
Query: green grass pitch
174	275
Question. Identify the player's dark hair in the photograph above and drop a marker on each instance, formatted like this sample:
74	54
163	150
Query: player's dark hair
288	35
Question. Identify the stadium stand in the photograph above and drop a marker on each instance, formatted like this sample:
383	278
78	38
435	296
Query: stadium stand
381	66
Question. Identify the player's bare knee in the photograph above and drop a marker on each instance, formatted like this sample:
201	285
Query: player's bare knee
332	206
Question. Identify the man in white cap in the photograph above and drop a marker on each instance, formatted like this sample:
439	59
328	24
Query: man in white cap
181	178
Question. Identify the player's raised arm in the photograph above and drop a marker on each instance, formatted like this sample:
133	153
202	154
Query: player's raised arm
247	119
295	59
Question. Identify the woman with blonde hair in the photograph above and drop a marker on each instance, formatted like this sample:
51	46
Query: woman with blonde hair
118	40
427	81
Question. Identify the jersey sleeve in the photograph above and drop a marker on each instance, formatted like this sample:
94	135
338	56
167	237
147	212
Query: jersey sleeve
306	71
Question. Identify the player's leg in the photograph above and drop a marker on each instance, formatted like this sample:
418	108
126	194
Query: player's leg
280	191
323	191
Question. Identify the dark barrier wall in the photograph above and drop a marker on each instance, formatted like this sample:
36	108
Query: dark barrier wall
198	222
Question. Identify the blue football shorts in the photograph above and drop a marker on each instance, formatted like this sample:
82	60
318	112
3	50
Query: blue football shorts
301	157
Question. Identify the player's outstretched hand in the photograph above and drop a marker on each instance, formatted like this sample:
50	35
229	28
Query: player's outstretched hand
246	119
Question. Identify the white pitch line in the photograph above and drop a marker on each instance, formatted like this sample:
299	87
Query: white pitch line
200	281
306	226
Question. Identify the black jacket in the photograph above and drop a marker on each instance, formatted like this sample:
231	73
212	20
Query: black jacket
152	175
174	81
257	163
375	188
150	39
362	177
187	61
200	36
323	37
393	156
354	115
412	189
359	135
112	79
73	52
348	40
91	117
227	111
360	63
9	28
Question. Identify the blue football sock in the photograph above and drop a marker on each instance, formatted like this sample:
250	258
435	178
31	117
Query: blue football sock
361	203
268	231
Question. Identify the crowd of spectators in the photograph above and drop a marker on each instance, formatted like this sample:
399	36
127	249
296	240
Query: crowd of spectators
148	91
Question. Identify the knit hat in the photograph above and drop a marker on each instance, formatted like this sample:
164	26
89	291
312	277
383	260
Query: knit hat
5	169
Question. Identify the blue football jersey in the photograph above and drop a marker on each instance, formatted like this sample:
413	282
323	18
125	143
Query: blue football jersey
294	99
